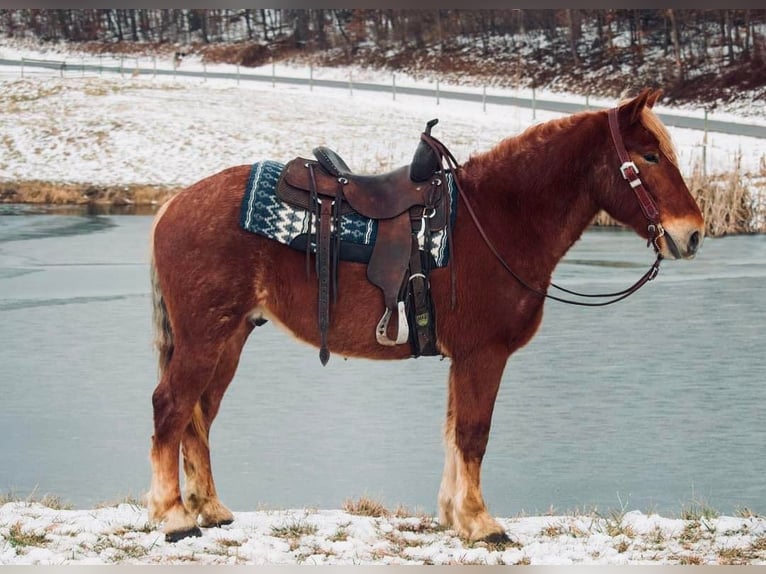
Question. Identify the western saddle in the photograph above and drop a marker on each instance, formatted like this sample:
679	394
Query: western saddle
408	204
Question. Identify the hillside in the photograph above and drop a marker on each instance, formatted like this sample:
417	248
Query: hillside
708	58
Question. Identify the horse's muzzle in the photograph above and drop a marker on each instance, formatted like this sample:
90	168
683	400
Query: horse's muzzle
681	241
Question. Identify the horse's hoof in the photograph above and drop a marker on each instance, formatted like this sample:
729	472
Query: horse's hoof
181	534
497	539
218	524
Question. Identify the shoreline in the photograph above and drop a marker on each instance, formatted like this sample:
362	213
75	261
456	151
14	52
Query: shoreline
145	199
66	193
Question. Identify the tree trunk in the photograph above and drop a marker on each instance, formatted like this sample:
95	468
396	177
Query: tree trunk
118	21
321	32
610	40
133	27
265	28
639	48
298	21
676	46
575	31
440	37
728	34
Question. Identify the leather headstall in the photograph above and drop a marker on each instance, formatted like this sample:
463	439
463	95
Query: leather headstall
629	171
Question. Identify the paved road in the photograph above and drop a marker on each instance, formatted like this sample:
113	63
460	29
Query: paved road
680	121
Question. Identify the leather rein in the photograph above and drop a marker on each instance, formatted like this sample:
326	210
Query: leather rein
629	172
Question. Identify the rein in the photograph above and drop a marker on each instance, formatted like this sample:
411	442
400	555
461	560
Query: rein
629	171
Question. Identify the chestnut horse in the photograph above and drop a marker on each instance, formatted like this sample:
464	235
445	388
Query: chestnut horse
523	204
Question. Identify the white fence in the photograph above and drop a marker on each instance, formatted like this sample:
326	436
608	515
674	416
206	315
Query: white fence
177	68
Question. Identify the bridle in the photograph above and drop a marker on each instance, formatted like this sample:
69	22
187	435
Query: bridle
629	172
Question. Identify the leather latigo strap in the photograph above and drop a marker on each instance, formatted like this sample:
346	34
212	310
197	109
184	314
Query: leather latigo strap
422	316
323	263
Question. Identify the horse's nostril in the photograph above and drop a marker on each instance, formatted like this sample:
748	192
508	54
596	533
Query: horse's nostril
694	242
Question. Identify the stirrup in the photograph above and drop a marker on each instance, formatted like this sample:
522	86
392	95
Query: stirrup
403	330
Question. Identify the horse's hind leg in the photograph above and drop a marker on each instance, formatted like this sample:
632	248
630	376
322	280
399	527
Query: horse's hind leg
199	492
181	385
473	386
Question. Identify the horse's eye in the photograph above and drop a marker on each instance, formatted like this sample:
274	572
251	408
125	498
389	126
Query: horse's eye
652	158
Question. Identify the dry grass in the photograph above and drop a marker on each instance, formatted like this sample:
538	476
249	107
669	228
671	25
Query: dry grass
18	537
296	529
53	193
366	507
698	509
293	532
731	203
47	500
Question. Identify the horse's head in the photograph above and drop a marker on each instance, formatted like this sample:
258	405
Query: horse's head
645	189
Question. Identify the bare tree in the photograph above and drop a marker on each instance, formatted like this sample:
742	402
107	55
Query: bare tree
676	45
575	32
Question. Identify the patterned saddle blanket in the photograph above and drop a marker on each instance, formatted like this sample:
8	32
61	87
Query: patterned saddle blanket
263	213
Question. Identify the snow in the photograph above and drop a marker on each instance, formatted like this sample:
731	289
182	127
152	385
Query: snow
31	533
119	129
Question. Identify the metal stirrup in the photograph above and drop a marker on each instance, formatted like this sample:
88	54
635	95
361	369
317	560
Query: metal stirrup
403	329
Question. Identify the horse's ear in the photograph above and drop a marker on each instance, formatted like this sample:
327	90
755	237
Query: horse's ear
653	98
633	108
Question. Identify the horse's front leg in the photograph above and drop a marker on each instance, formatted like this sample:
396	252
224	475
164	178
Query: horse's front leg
473	385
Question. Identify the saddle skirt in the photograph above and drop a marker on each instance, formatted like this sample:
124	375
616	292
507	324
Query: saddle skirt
264	213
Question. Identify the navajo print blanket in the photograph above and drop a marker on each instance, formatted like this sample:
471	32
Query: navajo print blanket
264	214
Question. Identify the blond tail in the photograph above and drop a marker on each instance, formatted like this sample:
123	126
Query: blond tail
163	332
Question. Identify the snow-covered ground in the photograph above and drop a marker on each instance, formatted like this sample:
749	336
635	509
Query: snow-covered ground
35	534
119	129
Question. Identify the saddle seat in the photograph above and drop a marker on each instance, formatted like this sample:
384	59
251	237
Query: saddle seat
375	196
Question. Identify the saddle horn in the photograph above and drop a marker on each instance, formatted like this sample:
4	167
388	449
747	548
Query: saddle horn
425	162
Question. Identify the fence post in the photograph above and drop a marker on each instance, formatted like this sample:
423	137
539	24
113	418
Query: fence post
393	85
704	148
